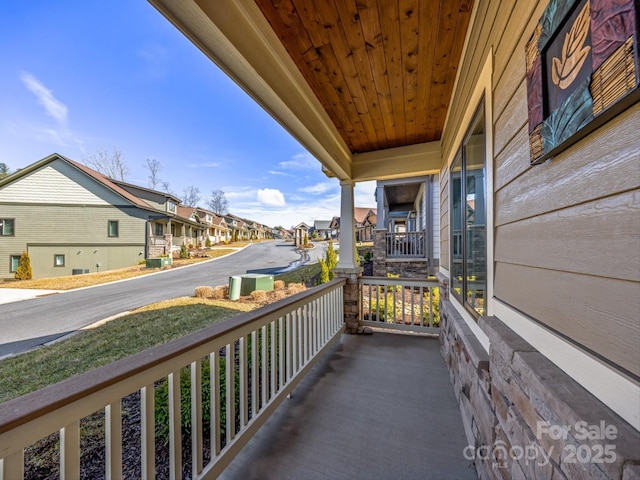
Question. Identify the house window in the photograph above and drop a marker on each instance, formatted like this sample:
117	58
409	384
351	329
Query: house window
7	227
171	206
113	228
58	260
14	260
159	230
468	219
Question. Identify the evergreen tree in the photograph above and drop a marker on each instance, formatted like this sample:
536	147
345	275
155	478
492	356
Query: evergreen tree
24	272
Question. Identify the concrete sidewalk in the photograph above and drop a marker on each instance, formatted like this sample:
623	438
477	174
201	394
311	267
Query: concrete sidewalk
8	295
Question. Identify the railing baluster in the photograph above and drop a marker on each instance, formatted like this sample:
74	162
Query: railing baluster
290	344
196	417
70	451
281	353
273	364
254	373
230	393
148	434
305	329
264	360
244	396
214	385
431	306
175	427
12	466
113	440
295	350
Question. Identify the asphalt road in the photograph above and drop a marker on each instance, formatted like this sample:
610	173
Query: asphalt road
27	324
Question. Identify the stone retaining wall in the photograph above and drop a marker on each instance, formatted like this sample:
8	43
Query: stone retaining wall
526	418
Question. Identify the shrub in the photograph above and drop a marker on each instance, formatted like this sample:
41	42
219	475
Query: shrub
278	285
294	288
220	293
183	252
258	296
368	256
325	274
207	242
204	292
24	272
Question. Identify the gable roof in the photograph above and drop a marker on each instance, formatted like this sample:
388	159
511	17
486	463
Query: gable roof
322	224
360	214
97	176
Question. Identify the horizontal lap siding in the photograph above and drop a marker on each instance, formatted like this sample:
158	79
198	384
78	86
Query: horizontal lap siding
567	232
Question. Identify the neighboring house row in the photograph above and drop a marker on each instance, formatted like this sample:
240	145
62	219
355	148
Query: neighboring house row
72	219
364	220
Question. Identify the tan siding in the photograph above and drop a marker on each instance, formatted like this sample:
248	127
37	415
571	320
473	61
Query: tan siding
599	313
513	118
513	160
603	163
598	238
59	182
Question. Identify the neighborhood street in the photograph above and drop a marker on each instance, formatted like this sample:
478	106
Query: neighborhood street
29	323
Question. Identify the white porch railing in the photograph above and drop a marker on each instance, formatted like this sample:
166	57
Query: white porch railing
400	304
259	356
406	244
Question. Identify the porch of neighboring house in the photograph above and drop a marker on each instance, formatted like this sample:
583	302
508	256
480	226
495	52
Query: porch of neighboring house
405	238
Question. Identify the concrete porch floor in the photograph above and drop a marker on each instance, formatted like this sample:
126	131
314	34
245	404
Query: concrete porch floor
375	407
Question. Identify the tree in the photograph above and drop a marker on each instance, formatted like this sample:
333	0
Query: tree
154	167
110	164
328	263
24	272
191	196
218	202
167	189
4	170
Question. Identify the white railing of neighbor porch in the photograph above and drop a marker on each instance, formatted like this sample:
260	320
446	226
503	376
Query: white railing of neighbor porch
400	304
259	356
406	244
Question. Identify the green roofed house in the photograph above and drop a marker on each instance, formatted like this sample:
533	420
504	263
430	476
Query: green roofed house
72	219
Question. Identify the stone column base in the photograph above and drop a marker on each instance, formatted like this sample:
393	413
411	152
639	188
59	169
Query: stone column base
351	296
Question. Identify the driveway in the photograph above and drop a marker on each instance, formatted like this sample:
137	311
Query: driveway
27	324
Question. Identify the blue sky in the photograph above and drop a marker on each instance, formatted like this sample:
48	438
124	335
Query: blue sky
77	76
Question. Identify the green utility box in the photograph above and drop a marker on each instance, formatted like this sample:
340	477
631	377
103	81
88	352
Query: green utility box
234	287
256	281
159	262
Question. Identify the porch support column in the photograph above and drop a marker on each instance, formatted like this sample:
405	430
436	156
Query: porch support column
381	213
347	266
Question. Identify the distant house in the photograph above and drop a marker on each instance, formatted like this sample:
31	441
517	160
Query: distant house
301	234
364	220
322	229
72	219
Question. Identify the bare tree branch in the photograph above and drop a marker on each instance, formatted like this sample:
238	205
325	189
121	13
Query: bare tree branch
218	202
110	164
191	196
154	167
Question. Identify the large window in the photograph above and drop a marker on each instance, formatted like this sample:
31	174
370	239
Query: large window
113	228
7	227
159	230
469	219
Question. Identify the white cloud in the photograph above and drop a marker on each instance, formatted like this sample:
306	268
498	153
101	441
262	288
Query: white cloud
271	197
301	161
363	194
318	188
205	165
51	104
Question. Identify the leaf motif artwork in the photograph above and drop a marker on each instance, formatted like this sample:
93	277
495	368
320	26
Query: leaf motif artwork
574	51
582	69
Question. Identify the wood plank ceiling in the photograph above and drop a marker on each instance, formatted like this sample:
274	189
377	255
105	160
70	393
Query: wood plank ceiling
382	69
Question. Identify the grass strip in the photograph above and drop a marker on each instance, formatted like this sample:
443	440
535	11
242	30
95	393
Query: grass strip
89	349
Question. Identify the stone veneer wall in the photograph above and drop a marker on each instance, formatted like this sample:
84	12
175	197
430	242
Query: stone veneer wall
521	413
351	297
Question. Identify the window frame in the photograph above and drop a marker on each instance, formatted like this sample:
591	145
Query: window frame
11	257
117	224
55	258
461	244
13	230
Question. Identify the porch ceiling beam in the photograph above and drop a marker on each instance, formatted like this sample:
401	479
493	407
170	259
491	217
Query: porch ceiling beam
235	36
409	161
